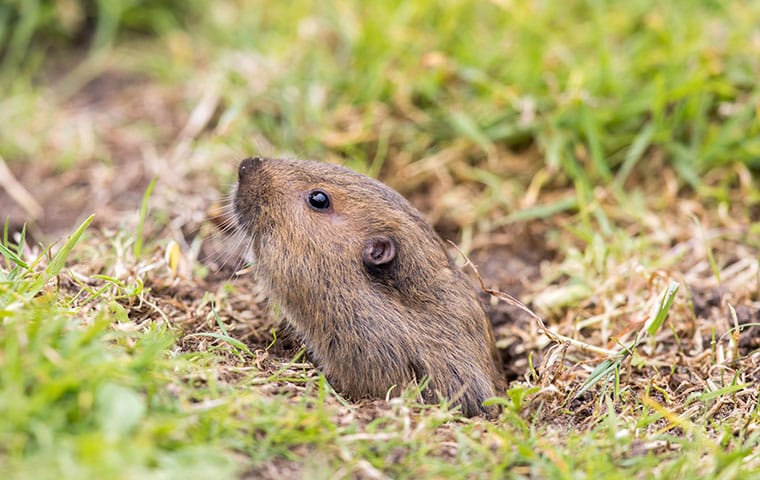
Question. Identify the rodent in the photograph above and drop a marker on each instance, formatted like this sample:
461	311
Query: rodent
366	283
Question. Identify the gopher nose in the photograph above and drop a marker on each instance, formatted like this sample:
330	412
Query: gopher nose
248	167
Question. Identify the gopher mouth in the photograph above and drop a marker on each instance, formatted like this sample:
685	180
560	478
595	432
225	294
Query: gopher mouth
239	210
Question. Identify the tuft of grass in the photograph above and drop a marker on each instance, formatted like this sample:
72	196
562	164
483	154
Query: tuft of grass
80	399
611	366
25	278
30	26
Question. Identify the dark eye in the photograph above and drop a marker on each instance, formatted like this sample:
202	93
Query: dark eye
318	200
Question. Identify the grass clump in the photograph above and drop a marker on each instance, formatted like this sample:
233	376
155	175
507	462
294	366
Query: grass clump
29	27
81	399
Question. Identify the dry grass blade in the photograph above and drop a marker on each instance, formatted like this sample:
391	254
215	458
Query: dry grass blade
18	193
553	336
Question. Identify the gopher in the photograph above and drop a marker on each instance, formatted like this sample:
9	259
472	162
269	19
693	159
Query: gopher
366	283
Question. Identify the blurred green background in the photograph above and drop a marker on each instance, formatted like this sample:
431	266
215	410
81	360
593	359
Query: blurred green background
597	87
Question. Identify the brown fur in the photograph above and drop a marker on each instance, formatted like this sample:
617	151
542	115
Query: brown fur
368	322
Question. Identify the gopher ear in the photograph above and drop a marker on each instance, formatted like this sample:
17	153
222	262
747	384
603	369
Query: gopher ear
378	251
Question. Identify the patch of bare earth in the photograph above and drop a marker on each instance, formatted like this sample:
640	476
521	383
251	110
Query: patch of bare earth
128	128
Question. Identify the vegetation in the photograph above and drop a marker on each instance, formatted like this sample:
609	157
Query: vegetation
599	160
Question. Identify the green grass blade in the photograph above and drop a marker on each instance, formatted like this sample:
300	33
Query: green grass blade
59	260
658	316
543	211
225	338
601	372
593	137
727	390
10	255
21	241
143	215
636	152
219	321
466	126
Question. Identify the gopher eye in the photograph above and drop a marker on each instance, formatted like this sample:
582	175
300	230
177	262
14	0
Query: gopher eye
318	200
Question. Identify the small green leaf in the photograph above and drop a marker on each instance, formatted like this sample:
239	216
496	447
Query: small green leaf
119	312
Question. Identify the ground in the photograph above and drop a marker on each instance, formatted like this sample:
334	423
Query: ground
582	202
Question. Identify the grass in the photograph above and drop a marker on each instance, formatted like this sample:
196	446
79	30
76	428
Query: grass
588	155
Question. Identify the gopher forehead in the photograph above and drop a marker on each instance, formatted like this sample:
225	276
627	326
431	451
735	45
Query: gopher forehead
345	185
306	172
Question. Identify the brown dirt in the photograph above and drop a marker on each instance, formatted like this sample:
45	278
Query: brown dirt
120	108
